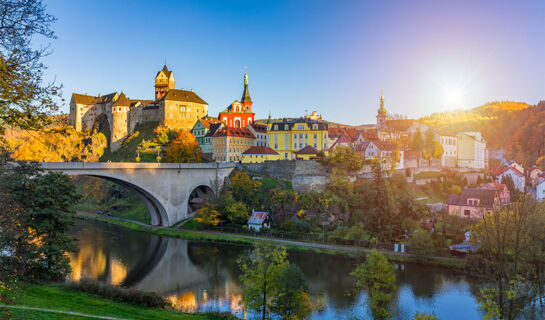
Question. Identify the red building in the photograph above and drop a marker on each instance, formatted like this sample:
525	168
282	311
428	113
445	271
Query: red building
239	114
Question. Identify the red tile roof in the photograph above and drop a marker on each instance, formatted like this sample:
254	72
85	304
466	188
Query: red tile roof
234	132
260	150
504	169
308	150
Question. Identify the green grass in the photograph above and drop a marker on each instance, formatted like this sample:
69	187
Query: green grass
57	297
226	238
427	175
127	152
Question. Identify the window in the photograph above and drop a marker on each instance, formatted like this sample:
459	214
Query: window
275	127
315	127
466	213
286	127
300	127
286	141
276	140
285	156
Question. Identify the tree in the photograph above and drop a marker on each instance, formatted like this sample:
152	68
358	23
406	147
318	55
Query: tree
512	258
183	149
421	244
291	301
51	216
259	277
161	135
418	142
377	277
245	189
237	212
207	215
25	101
424	316
344	158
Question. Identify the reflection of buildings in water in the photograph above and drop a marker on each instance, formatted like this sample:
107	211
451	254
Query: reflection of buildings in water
93	263
186	302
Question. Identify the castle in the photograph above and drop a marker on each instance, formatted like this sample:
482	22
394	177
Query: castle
173	108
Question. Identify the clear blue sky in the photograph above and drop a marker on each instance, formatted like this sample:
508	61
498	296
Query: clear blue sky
329	56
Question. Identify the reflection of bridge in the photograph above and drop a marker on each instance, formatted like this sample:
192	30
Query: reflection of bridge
164	187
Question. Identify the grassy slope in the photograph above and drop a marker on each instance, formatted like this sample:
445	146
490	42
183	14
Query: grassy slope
127	152
58	298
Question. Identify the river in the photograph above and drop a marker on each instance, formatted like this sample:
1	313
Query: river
198	276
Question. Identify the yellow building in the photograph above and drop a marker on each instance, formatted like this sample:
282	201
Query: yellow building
259	154
228	144
289	136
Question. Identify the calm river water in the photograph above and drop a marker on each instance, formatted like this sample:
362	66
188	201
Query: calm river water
199	276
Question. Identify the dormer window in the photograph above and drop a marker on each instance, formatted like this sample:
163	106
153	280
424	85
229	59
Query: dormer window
315	127
275	127
286	127
473	202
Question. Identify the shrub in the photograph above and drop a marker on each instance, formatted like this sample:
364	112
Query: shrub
120	294
421	243
303	226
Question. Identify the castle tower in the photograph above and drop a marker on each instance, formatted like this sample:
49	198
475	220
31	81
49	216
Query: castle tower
120	121
381	114
164	81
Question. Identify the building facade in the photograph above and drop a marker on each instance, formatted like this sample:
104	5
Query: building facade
473	203
239	113
472	151
289	136
450	151
259	154
229	143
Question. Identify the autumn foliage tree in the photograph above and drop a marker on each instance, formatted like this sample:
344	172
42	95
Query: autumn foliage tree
183	149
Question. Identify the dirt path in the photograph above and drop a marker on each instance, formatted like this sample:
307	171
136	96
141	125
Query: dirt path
60	311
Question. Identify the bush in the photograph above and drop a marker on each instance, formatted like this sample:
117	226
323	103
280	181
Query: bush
304	226
421	244
130	296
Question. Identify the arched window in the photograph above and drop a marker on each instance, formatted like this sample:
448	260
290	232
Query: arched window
237	123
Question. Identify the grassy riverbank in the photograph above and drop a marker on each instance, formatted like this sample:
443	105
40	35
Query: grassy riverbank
57	297
448	262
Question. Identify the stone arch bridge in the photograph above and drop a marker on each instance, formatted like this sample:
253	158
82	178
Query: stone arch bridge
165	188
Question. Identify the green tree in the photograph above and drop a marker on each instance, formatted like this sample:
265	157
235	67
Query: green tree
421	244
245	189
51	217
417	144
291	300
344	158
425	316
25	101
260	273
237	212
377	278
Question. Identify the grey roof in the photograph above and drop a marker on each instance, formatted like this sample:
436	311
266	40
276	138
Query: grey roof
321	124
486	197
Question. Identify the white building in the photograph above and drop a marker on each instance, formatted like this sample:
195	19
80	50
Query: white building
450	150
472	152
519	180
540	190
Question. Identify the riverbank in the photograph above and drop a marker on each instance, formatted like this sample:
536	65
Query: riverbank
55	301
209	236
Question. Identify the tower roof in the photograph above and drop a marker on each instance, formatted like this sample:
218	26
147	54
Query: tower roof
165	71
122	101
246	92
382	110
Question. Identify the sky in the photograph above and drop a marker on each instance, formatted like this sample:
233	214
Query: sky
334	57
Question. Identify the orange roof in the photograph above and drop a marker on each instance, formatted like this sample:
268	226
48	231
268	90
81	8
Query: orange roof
260	150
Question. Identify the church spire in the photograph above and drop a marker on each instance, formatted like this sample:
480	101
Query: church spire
382	110
246	92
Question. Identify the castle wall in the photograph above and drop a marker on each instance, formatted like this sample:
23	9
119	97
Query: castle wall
180	114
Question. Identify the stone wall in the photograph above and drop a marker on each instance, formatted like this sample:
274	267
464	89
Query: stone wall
304	175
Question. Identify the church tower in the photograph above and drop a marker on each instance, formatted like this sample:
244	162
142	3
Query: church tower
381	115
164	81
246	100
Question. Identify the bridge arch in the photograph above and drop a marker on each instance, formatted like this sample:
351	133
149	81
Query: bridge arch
165	188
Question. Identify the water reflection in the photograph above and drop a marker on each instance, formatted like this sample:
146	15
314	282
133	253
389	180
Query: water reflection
199	276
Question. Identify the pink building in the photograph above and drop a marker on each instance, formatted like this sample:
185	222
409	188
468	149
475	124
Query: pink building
503	191
473	203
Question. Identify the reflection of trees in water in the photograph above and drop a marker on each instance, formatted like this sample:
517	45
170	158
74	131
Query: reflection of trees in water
328	274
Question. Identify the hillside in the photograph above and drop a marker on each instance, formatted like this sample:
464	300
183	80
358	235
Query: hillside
129	147
515	127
